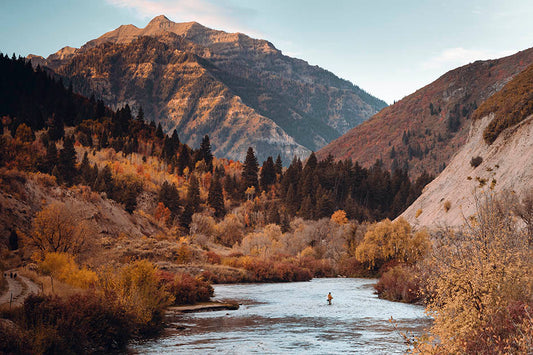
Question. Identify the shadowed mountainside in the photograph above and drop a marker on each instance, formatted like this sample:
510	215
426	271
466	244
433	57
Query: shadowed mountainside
425	129
240	91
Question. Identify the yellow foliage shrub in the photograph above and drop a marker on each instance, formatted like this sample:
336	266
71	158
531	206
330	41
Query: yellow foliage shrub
386	241
63	267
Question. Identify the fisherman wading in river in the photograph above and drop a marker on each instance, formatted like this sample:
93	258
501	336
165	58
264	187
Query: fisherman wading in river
330	297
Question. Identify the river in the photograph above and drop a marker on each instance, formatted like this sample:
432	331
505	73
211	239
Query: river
295	318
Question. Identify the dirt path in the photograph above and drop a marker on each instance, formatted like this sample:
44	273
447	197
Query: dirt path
18	289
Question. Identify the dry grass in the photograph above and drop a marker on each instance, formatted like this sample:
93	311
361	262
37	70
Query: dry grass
50	286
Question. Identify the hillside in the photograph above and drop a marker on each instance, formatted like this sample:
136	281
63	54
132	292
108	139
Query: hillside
425	129
505	165
240	91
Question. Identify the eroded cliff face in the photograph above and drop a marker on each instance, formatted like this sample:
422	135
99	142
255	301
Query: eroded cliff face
507	168
424	130
240	91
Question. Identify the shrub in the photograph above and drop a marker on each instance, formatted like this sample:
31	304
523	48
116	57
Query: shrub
187	289
137	288
212	257
386	241
475	161
447	205
481	285
400	283
63	267
78	324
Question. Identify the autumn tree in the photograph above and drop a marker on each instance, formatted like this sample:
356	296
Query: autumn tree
59	228
386	241
481	286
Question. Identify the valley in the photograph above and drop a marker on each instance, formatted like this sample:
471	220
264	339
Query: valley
156	169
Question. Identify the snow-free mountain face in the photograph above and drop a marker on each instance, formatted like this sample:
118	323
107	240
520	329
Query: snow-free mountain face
496	159
425	129
240	91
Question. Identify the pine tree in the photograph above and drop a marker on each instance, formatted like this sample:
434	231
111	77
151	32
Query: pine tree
85	170
159	131
50	160
104	181
184	159
268	174
215	199
193	194
13	240
186	216
169	196
140	114
249	171
205	153
56	130
130	198
279	168
67	162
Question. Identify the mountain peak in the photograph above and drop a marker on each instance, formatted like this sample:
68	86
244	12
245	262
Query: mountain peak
160	21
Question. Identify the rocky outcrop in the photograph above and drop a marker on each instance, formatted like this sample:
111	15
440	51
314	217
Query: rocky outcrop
425	129
506	167
239	90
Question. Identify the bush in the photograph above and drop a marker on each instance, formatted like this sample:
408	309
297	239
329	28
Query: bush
187	289
481	285
63	267
392	241
400	283
137	288
475	161
78	324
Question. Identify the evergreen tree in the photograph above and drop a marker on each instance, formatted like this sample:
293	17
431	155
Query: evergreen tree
205	153
86	170
13	240
56	130
279	168
104	181
186	216
193	194
249	171
67	162
140	114
215	199
268	174
184	159
50	160
159	131
169	196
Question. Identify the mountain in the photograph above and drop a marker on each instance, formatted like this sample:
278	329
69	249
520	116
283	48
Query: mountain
239	90
496	161
425	129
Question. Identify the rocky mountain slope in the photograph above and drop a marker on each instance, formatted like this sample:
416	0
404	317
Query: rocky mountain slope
503	166
425	129
241	91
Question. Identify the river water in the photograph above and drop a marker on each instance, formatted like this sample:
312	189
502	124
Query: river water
295	318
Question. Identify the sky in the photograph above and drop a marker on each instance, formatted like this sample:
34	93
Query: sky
388	48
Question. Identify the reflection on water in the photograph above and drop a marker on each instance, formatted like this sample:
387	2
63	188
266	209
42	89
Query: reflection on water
295	318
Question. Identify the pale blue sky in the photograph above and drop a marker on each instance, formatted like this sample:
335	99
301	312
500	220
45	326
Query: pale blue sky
389	48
